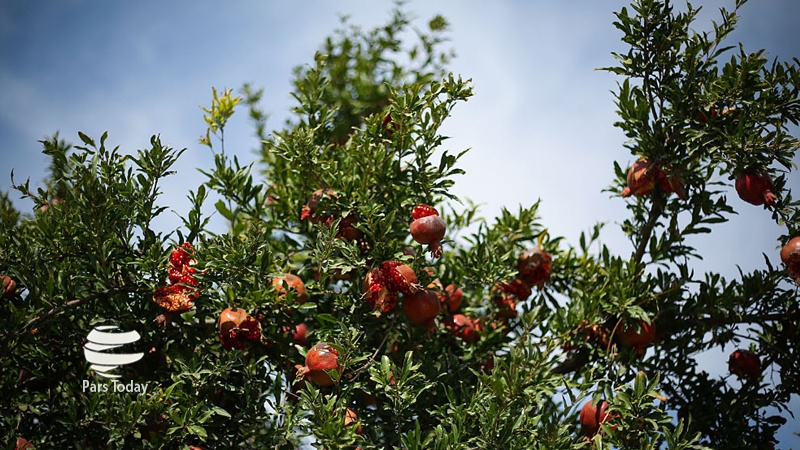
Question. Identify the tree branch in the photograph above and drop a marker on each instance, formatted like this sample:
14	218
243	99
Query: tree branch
65	306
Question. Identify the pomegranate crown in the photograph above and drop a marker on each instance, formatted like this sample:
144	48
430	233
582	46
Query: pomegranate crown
423	210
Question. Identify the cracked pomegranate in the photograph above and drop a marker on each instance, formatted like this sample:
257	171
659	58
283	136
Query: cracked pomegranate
535	266
382	285
427	228
237	328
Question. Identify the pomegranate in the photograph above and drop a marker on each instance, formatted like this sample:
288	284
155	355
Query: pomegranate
452	298
755	187
672	183
382	284
421	307
176	298
744	364
428	228
642	178
300	335
638	337
9	287
23	444
320	360
351	418
534	266
506	306
237	328
293	282
463	327
516	288
309	210
790	255
592	416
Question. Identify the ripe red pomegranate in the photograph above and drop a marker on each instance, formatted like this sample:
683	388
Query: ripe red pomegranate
672	183
642	178
350	418
320	360
744	364
293	282
790	255
463	327
516	288
755	187
23	444
428	228
300	335
9	287
534	266
421	307
237	328
452	298
383	283
309	210
506	306
176	298
592	416
638	336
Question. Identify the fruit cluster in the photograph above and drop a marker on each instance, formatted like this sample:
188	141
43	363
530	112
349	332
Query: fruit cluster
179	296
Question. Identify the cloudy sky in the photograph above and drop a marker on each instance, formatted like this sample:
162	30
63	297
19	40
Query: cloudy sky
539	125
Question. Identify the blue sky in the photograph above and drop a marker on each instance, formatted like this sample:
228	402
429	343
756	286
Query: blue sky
540	108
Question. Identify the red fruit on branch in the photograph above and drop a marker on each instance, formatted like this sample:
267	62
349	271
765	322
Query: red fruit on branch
744	364
321	359
427	228
755	187
638	336
421	307
181	256
463	327
382	285
506	307
399	277
23	444
309	211
592	416
300	335
790	255
642	178
293	282
9	287
534	266
176	298
237	328
517	288
672	183
452	297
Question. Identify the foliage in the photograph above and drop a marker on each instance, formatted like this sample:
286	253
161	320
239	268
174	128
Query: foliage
331	199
